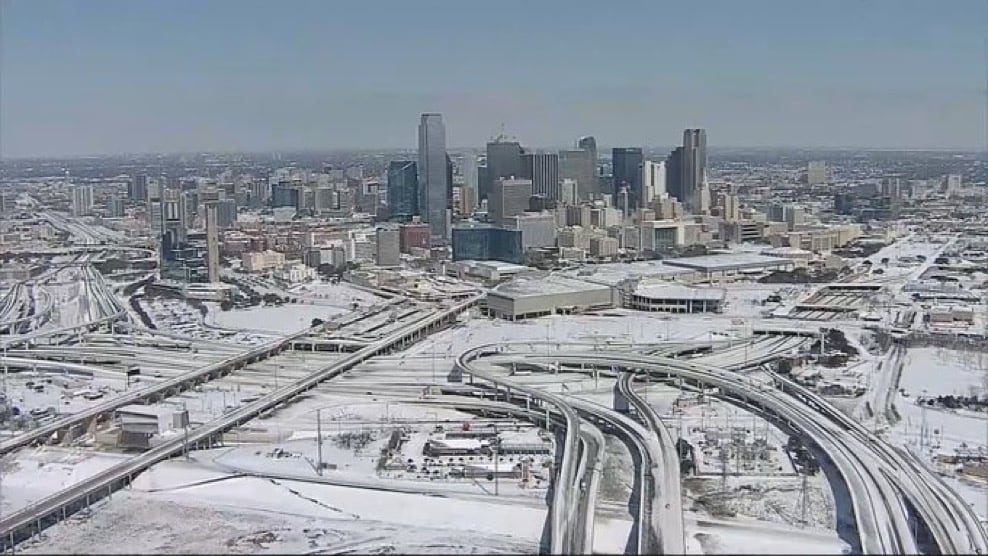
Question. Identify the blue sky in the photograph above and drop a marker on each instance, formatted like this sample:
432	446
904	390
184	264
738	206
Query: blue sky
109	76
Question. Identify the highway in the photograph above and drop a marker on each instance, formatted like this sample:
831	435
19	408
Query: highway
882	522
666	523
37	516
879	479
177	383
566	488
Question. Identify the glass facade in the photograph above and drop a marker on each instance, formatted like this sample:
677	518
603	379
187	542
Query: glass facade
487	243
403	189
433	173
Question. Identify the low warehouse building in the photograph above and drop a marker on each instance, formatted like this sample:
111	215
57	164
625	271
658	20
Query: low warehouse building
527	297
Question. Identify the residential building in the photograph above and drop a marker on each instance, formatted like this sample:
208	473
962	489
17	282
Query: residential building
82	200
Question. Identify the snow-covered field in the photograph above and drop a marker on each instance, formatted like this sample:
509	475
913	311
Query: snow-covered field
32	474
283	319
176	507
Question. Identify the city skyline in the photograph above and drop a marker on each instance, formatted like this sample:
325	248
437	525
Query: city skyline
83	80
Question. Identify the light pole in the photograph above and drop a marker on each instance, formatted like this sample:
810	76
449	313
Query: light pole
319	439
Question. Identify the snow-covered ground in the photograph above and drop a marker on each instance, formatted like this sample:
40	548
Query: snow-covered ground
939	372
32	474
283	319
177	507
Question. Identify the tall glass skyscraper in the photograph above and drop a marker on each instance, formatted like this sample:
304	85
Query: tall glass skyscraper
592	186
626	163
433	174
403	189
694	168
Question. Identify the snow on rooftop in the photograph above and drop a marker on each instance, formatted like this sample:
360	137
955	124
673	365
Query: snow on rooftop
612	274
499	266
679	291
555	284
726	261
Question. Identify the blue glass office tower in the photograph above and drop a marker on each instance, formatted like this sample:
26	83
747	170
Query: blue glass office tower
403	189
433	174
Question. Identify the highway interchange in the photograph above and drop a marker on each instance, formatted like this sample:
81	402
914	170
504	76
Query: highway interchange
899	505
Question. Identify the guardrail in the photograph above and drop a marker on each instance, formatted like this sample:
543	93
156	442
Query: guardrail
48	510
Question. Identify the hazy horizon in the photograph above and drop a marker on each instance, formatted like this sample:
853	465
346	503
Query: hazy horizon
116	77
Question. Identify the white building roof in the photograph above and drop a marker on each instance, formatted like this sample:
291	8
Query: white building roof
727	261
457	443
500	266
612	274
679	291
535	286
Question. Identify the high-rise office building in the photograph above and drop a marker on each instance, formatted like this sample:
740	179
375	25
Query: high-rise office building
212	244
509	197
578	165
503	161
694	169
433	174
674	174
653	182
388	246
543	169
82	200
589	144
137	189
226	213
626	164
403	189
470	181
115	207
284	194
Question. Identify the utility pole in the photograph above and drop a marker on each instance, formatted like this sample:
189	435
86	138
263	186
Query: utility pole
497	441
319	439
802	496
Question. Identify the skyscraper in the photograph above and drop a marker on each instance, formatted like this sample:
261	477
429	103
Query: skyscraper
578	165
626	164
403	189
503	161
653	182
674	174
543	169
82	200
212	244
589	144
509	197
137	190
694	168
433	173
469	172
